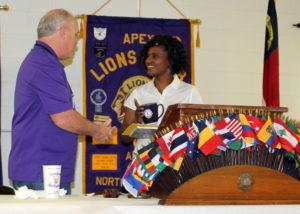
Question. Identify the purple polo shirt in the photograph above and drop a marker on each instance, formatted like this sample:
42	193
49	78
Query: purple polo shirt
42	89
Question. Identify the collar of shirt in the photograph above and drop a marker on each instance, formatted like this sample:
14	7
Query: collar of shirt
174	84
49	50
46	47
52	53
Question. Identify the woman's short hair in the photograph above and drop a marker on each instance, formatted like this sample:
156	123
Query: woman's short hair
175	49
52	21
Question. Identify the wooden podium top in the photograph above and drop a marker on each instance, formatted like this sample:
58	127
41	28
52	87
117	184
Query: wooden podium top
177	112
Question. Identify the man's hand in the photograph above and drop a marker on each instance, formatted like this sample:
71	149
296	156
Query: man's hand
104	134
72	121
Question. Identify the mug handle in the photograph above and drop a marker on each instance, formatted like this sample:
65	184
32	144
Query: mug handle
162	110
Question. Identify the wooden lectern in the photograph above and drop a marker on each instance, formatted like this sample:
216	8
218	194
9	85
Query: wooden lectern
240	177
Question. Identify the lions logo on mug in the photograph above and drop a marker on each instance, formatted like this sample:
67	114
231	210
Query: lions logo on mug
148	113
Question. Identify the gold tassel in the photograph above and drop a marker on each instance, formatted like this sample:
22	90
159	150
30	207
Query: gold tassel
193	23
198	37
81	30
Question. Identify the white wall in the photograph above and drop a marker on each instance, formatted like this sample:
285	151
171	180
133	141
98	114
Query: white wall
228	64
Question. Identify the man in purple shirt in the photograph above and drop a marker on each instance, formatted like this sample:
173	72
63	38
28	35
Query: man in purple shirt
45	124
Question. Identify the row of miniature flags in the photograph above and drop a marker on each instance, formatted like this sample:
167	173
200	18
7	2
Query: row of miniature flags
207	136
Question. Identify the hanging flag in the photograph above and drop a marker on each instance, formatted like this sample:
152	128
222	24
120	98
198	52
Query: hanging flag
271	59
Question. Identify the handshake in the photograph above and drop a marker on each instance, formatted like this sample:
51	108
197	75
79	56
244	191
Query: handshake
105	133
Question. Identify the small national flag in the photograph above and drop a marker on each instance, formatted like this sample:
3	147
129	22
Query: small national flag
165	142
208	139
142	154
288	139
255	122
150	162
147	148
179	144
173	144
159	161
235	145
230	128
130	183
193	133
141	174
145	161
264	130
248	134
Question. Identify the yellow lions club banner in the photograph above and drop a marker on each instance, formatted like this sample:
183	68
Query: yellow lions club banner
110	72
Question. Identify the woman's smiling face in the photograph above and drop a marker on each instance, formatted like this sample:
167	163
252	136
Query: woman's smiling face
157	61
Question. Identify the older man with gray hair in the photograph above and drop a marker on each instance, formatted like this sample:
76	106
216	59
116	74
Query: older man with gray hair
45	124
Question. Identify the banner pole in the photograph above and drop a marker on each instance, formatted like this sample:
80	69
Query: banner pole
138	8
4	8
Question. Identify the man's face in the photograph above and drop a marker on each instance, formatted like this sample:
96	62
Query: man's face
71	37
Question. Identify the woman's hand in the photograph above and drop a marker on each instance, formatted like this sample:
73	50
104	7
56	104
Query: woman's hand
131	116
139	112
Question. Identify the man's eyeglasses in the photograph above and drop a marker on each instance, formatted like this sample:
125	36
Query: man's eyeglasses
77	35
